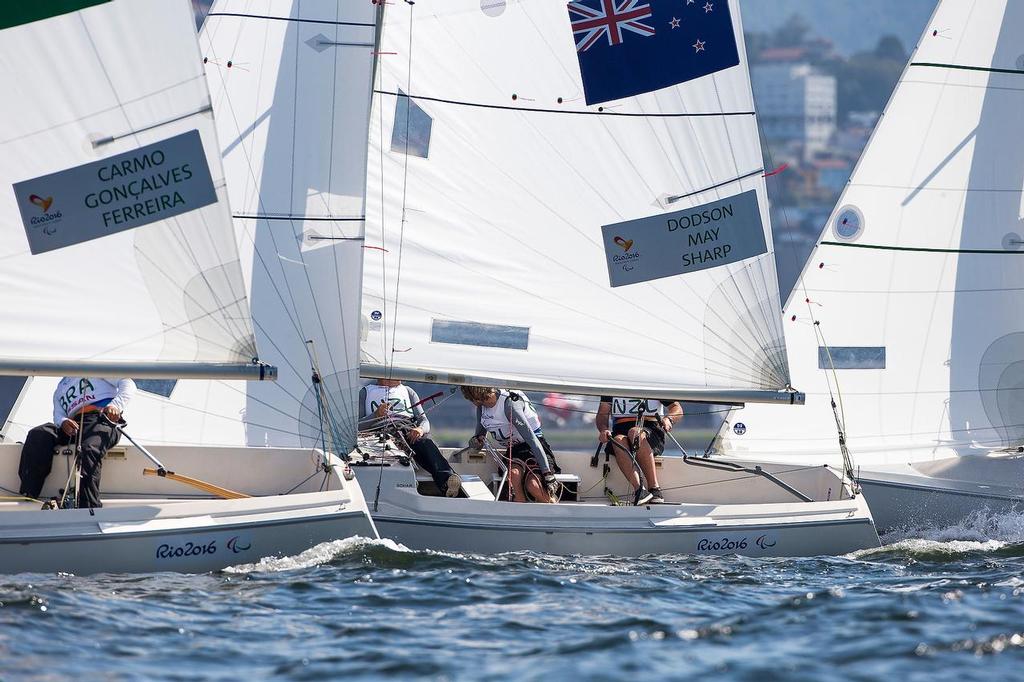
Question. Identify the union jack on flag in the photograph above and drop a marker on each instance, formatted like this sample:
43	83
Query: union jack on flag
610	20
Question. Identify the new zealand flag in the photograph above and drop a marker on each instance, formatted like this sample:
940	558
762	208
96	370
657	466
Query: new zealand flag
629	47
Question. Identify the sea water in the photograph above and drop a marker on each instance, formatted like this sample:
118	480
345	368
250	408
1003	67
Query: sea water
933	605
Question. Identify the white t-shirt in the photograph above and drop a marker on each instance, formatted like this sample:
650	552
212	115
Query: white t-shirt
74	393
495	419
398	399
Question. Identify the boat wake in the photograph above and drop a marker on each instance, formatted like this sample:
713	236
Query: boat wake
318	555
980	533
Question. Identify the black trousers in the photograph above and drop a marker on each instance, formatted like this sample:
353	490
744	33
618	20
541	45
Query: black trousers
430	459
98	436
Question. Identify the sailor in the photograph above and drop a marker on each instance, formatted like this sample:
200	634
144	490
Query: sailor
638	430
389	401
85	410
511	420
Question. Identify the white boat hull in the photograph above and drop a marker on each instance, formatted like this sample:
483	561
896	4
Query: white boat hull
152	524
944	493
752	516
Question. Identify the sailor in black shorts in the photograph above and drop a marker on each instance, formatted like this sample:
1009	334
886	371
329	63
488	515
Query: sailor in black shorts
638	425
511	420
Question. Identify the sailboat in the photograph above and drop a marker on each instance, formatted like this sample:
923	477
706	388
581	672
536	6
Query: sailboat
553	203
908	312
120	257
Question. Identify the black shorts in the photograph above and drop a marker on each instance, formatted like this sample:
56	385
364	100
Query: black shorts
655	436
523	453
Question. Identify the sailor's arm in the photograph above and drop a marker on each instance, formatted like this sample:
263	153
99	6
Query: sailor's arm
59	415
516	413
366	421
419	415
477	441
125	392
673	414
604	413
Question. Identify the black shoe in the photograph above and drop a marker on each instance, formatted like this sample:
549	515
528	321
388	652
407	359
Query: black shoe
643	496
656	496
453	486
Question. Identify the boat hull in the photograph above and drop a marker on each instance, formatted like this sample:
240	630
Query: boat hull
765	540
150	524
731	524
196	548
943	493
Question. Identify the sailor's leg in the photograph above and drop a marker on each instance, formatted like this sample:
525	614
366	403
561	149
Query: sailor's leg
430	459
645	458
515	479
98	436
37	458
535	487
624	462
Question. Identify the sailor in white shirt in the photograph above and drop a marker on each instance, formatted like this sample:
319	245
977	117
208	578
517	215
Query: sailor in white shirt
511	420
389	401
83	409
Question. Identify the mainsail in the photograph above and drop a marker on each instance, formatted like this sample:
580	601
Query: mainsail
117	252
917	277
562	198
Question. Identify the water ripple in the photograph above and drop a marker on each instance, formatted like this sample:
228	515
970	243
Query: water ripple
931	605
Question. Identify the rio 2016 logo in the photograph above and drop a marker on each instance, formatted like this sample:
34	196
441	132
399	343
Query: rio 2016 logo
47	221
201	548
732	544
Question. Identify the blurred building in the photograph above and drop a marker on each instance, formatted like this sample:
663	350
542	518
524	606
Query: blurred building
796	103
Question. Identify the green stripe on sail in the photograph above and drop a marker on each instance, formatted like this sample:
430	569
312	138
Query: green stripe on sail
18	13
921	249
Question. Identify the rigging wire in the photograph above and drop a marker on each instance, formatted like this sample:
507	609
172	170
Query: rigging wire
405	189
840	416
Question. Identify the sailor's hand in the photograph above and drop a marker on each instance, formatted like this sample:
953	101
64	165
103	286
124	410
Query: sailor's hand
413	435
604	435
476	442
112	413
381	411
69	426
666	423
551	485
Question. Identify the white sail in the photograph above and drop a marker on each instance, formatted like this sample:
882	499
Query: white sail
916	279
500	209
116	244
290	84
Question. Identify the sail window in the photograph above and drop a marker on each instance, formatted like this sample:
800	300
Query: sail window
849	223
851	357
10	389
477	334
162	387
411	133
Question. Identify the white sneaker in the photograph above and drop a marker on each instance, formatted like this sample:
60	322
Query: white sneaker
453	486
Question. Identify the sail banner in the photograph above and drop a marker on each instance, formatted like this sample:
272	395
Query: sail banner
629	47
702	237
138	187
